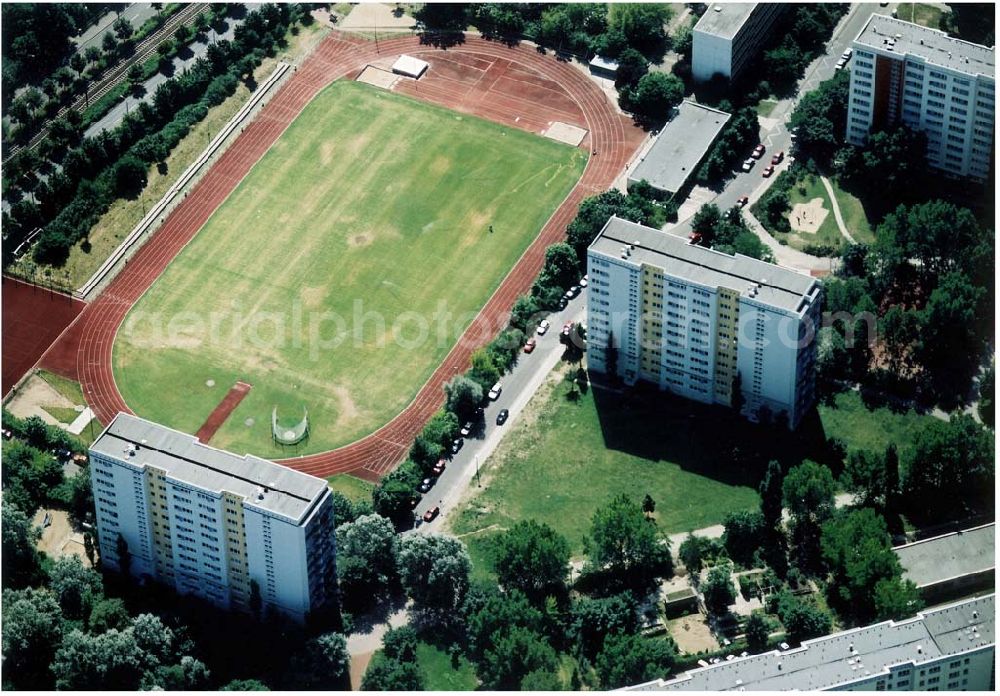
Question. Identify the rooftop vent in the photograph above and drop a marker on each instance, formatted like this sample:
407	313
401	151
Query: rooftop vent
260	494
718	8
899	36
975	614
920	650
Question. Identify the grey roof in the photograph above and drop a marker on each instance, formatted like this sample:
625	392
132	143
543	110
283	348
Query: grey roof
933	46
779	287
289	493
854	655
948	556
604	63
725	19
680	146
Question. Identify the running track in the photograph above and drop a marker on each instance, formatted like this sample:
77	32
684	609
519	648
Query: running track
338	56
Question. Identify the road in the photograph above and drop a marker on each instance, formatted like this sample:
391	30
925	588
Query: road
775	136
136	14
519	385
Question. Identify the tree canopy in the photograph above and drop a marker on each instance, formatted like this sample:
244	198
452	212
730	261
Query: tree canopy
533	558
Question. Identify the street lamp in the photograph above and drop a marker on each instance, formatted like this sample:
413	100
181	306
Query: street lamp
479	483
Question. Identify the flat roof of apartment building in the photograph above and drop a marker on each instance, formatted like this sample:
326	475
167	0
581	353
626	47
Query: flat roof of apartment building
680	146
888	34
854	655
264	484
949	556
726	19
773	285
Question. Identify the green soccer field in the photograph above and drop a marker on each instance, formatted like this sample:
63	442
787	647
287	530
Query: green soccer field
371	210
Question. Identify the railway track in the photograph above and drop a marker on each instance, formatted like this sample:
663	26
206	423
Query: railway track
115	75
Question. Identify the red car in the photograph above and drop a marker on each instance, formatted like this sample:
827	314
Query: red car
439	467
776	159
758	152
432	513
768	171
694	238
742	201
529	346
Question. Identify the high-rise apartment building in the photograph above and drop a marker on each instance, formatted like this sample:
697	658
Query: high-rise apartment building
211	523
945	87
949	648
701	323
728	36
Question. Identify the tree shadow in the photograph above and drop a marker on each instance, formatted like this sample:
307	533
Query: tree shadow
441	39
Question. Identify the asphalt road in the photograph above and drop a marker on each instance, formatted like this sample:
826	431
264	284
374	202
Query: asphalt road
136	14
519	385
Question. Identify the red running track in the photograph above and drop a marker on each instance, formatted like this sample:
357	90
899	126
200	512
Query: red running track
611	137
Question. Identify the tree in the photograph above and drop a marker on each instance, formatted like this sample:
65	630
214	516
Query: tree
896	599
900	329
820	118
384	674
987	409
561	267
188	675
632	66
323	664
123	28
743	535
858	553
808	491
533	558
108	614
75	586
32	630
864	477
694	551
463	397
648	505
109	661
718	590
490	612
771	494
243	684
130	176
514	655
541	680
109	43
642	25
895	158
593	620
435	572
155	640
367	553
625	543
758	631
393	495
656	95
950	469
22	562
632	659
483	370
802	620
706	221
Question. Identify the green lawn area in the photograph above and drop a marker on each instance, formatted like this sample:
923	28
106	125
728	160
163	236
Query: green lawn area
563	459
351	486
440	674
766	106
919	13
853	213
62	414
341	271
67	387
804	191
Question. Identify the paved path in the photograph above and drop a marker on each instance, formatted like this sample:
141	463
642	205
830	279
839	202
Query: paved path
786	255
836	210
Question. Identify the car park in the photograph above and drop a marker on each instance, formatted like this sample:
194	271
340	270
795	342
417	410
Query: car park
431	514
502	416
529	345
456	445
768	171
758	152
742	201
777	158
494	392
748	164
466	429
425	485
543	326
439	467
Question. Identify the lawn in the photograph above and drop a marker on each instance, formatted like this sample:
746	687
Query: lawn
439	672
351	486
809	188
67	387
848	419
853	213
765	107
341	271
919	13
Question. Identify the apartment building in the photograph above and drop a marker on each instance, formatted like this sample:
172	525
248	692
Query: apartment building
949	648
210	523
701	323
728	37
906	73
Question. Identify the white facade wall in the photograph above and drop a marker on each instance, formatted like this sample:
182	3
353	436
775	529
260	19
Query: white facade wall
711	55
276	556
121	503
613	301
198	543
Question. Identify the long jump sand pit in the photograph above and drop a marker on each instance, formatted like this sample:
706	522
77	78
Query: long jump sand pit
565	133
808	217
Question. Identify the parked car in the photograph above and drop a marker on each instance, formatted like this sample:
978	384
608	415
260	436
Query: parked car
425	485
543	326
439	467
567	327
778	157
768	171
502	416
562	303
694	237
783	646
466	430
758	151
529	345
494	392
432	513
415	500
456	445
748	164
742	201
584	281
574	291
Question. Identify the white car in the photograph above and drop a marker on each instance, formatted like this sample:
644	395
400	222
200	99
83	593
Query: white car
494	393
584	280
748	164
543	326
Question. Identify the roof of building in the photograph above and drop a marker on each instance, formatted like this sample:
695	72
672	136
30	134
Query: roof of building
725	19
887	34
410	66
680	146
264	484
604	64
853	655
954	555
779	287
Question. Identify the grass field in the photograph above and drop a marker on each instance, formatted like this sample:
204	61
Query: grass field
854	215
919	13
564	459
351	486
804	191
439	672
372	207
